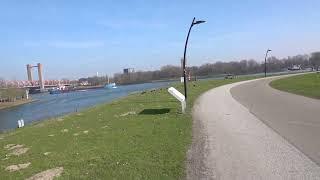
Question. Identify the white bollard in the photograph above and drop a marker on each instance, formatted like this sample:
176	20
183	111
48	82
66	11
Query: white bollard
27	94
181	79
183	106
19	124
180	98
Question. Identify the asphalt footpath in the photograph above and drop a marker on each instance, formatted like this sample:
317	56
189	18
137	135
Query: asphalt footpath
294	117
248	130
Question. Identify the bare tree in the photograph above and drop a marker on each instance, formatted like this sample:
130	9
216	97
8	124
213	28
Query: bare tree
244	66
315	60
2	82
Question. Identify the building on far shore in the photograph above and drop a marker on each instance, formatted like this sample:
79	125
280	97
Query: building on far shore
128	70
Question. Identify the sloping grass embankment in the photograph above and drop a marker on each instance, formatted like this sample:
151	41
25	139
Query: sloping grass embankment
142	136
306	85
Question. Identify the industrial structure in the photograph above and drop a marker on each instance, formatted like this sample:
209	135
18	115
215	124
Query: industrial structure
34	86
40	76
128	70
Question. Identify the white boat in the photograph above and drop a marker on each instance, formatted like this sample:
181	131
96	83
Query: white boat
110	85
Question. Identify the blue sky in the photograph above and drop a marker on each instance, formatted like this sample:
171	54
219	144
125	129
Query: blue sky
77	38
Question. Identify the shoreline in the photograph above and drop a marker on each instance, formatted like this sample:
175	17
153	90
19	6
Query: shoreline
64	115
7	113
8	105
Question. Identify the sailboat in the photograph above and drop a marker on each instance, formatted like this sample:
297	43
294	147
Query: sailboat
110	85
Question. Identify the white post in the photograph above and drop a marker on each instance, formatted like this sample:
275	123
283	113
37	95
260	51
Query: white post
183	106
27	94
180	97
20	123
182	79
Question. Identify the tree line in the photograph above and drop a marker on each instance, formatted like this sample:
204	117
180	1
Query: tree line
241	67
94	80
167	72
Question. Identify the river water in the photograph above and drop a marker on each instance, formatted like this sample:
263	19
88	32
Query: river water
47	106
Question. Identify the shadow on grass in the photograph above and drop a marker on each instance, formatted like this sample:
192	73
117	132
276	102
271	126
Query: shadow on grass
154	111
148	101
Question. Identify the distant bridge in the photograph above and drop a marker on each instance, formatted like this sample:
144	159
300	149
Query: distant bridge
36	84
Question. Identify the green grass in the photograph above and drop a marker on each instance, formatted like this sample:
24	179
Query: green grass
305	85
150	144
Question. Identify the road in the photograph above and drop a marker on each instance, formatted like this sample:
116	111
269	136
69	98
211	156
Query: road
241	131
294	117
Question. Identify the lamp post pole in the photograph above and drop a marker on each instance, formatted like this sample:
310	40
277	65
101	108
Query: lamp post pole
194	22
265	63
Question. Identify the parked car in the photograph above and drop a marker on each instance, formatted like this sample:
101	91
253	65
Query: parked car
229	76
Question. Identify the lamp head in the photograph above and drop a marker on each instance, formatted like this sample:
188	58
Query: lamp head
198	22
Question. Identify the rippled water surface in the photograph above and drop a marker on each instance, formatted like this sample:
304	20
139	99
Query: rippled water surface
47	105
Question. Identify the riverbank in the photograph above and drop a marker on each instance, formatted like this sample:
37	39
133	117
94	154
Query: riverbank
142	136
306	85
5	105
87	87
12	97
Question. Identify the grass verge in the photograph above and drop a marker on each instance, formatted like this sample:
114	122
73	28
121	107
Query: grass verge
142	136
305	85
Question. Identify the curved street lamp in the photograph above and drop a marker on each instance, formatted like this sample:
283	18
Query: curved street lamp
265	63
194	22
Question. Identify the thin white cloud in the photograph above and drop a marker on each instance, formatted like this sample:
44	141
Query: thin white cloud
229	36
121	24
71	44
66	44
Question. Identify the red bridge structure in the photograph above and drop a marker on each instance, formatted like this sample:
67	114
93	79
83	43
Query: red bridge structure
35	85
